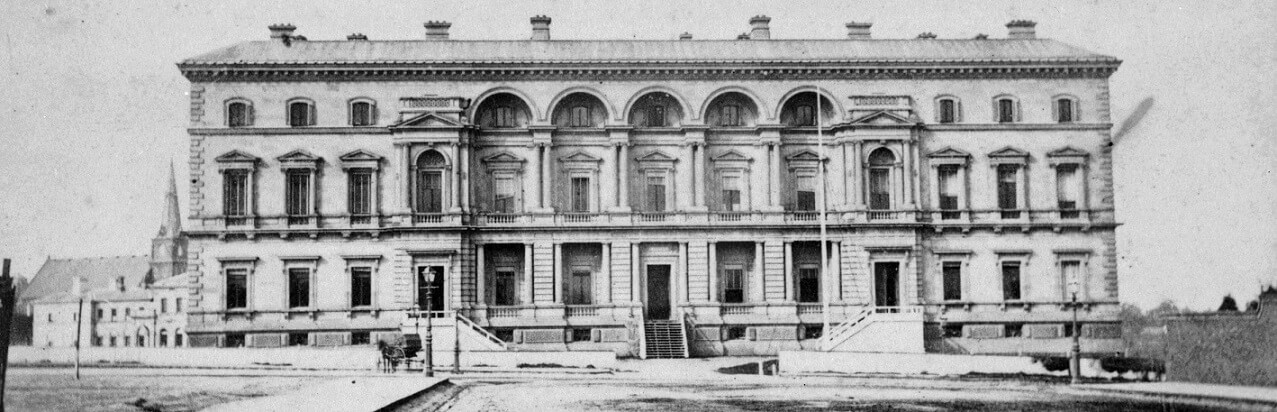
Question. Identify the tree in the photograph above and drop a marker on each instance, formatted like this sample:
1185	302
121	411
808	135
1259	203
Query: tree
1228	305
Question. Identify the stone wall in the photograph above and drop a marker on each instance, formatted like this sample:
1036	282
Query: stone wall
1232	349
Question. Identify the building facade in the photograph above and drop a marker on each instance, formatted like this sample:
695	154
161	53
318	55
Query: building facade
565	195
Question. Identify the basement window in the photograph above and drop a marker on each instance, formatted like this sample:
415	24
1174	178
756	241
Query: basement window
952	331
234	340
813	331
1013	330
360	338
506	335
736	333
580	335
298	339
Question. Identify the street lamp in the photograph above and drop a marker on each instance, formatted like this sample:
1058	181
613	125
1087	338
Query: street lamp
428	340
1075	361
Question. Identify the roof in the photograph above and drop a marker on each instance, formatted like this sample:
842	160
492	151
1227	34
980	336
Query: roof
174	282
98	273
645	51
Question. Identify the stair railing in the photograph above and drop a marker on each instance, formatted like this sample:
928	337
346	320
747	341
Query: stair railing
483	332
845	330
682	324
642	336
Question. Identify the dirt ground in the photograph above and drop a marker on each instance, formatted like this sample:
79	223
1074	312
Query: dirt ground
115	389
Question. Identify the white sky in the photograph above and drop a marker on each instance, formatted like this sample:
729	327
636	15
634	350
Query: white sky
93	108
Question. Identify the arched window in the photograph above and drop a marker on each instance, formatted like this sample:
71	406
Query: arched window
580	110
800	110
239	113
301	113
656	109
1065	109
1006	109
163	338
881	162
503	110
178	336
948	110
431	168
363	112
731	109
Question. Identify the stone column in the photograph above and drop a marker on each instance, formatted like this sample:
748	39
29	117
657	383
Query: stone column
685	192
756	276
623	184
636	294
538	202
835	274
558	272
403	180
606	274
680	275
857	186
699	172
713	271
464	173
789	271
773	170
456	178
525	290
608	181
547	180
480	275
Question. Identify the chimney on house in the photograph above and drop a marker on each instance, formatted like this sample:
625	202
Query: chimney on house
760	28
540	27
858	30
119	283
927	35
685	36
282	33
357	37
437	30
1021	30
77	286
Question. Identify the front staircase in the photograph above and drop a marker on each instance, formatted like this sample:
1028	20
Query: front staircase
665	339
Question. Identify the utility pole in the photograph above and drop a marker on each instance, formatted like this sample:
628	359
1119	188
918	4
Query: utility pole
1075	364
79	325
456	343
825	283
6	317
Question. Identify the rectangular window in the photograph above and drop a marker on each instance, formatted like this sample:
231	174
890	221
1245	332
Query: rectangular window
804	116
1068	189
360	286
730	115
236	289
1013	330
813	331
1064	108
1008	175
734	285
112	341
952	272
947	177
361	114
880	189
360	338
505	116
581	335
504	191
177	305
235	193
580	290
298	339
656	193
163	305
805	193
1071	278
297	194
360	192
298	287
731	193
299	114
430	197
238	115
735	332
581	116
808	284
952	330
656	117
580	194
1006	111
1011	280
506	287
948	111
233	340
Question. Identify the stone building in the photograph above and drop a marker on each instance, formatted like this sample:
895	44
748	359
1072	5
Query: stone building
614	194
126	301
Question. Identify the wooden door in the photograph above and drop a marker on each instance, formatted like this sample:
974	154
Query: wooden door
658	292
887	284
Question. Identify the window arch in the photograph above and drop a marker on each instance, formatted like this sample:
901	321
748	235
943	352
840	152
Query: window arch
301	112
432	167
882	162
1064	109
656	109
948	109
503	110
362	112
580	109
731	109
1006	109
800	110
239	113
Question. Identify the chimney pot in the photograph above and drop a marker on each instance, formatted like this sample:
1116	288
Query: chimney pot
357	37
742	36
1021	30
540	27
927	35
760	28
858	30
437	30
685	36
281	32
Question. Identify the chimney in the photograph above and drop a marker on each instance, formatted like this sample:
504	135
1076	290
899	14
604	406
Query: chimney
282	32
540	27
357	37
119	283
760	30
858	30
77	286
1021	30
742	36
685	36
927	35
437	30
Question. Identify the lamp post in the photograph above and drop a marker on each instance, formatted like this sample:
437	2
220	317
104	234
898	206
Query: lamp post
1075	361
428	340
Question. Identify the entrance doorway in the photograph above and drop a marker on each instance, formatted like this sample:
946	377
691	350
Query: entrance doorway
887	284
658	292
430	279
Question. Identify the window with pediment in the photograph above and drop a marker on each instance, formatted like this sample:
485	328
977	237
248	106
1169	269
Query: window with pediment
1070	166
506	172
238	172
731	170
1010	176
949	166
299	169
657	171
581	170
804	169
362	170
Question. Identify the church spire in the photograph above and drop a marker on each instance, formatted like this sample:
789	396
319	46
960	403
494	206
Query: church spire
172	224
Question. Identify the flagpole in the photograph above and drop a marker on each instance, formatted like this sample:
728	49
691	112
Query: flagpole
824	235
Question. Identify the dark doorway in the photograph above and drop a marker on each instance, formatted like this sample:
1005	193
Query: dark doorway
887	284
430	278
658	291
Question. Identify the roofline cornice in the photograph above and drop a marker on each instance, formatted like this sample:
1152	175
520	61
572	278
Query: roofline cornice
693	70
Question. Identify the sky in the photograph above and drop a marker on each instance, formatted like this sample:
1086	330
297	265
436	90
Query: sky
93	109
